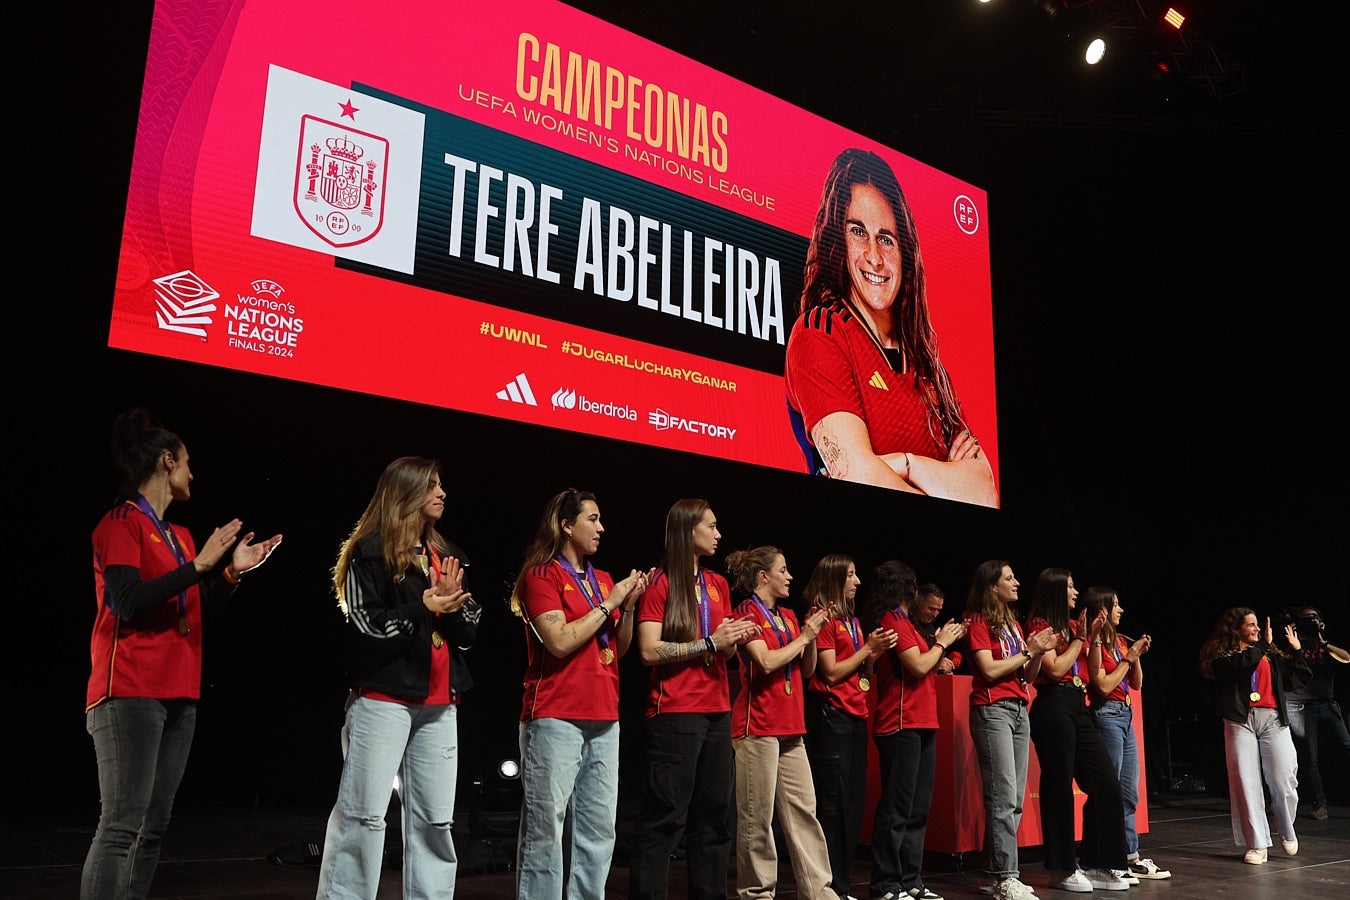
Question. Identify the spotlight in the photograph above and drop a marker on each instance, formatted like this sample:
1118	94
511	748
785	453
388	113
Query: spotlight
509	769
1095	51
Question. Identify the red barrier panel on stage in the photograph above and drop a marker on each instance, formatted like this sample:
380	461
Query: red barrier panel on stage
956	817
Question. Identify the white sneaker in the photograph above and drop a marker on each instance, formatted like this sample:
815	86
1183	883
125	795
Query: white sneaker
1075	881
1106	880
1013	889
1255	856
1126	874
1290	847
1147	868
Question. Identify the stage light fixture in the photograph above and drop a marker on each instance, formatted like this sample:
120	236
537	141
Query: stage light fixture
1096	49
508	768
1174	18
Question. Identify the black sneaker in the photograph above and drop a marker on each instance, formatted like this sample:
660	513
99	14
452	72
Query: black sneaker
922	893
1319	811
1147	868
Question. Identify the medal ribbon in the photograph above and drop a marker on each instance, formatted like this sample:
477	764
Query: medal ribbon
1125	682
704	605
433	576
784	637
166	535
1254	671
589	585
854	631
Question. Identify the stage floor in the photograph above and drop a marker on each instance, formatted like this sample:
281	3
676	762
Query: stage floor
222	852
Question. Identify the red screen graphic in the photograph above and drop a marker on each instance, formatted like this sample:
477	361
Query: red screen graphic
531	215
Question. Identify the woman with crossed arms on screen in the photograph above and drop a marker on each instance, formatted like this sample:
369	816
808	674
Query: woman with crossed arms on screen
869	399
579	624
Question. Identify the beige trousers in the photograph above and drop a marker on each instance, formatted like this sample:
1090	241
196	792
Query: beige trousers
773	777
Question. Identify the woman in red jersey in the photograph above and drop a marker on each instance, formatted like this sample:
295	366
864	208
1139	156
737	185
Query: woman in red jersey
1070	750
150	584
837	712
1003	662
579	623
1115	675
768	728
905	730
686	632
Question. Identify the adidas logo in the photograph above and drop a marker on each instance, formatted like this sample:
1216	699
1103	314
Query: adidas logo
518	390
875	381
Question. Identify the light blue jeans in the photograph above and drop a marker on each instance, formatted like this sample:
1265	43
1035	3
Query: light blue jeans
142	749
567	768
1115	724
419	745
1001	733
1260	746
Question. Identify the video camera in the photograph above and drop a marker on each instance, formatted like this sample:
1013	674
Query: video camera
1307	621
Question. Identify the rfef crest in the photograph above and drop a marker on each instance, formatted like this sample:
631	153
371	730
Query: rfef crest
340	177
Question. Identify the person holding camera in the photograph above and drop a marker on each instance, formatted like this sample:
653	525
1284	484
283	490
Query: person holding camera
1312	708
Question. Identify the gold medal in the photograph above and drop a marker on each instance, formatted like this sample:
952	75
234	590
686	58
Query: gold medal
787	686
1077	681
1255	695
864	683
707	659
183	627
436	640
1129	701
606	655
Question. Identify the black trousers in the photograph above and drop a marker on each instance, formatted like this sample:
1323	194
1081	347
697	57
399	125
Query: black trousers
690	779
908	758
836	744
1069	749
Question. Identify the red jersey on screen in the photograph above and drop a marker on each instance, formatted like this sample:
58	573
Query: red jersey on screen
697	685
1003	643
833	365
579	686
764	706
146	657
847	696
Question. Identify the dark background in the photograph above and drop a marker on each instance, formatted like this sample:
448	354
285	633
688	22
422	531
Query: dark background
1169	308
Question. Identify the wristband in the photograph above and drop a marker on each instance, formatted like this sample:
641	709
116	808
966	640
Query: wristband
1026	651
710	644
940	645
230	574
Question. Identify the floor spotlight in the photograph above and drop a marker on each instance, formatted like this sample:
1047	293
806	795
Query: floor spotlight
1096	49
508	769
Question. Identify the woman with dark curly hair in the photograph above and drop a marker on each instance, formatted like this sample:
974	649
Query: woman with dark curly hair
1250	678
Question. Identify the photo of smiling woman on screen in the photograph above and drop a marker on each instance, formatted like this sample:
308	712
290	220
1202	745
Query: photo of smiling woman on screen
869	398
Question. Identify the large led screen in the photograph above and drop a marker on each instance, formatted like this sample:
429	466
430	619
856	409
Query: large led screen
522	211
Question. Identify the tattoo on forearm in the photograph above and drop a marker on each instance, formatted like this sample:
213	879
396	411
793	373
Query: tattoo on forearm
669	652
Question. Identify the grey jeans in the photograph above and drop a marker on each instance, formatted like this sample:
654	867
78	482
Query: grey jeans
1001	733
142	749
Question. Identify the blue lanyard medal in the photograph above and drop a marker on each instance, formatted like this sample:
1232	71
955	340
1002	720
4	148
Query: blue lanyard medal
783	632
166	535
590	589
